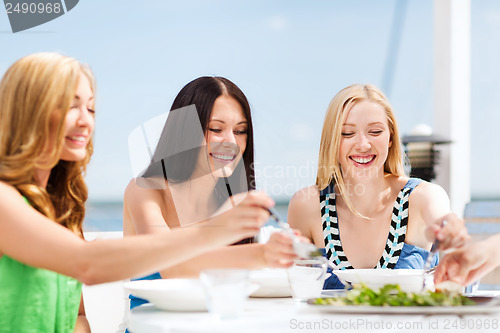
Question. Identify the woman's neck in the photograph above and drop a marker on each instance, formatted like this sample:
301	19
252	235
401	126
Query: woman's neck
42	177
369	195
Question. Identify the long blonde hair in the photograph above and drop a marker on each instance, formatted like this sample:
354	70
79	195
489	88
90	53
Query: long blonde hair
328	162
35	90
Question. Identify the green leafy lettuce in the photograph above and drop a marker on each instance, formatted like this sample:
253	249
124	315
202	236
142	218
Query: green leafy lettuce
392	295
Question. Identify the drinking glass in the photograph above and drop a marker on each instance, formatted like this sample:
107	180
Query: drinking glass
226	291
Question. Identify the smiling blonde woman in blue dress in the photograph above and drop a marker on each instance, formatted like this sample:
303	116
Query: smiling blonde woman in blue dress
46	127
360	209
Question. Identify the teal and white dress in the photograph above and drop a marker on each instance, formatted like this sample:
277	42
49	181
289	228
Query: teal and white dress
397	254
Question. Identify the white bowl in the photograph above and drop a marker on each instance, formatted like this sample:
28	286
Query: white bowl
170	294
307	277
410	280
273	282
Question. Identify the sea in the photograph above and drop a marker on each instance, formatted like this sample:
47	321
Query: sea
482	217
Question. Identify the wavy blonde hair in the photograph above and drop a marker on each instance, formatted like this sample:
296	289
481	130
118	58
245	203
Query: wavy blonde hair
328	162
35	90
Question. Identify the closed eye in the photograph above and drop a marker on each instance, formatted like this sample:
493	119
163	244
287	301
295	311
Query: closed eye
215	130
347	134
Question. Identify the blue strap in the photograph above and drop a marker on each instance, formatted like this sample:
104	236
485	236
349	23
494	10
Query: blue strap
412	183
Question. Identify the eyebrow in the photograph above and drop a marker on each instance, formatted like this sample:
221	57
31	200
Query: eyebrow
374	123
78	98
222	121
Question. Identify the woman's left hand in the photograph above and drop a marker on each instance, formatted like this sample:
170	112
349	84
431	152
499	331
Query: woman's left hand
451	233
278	252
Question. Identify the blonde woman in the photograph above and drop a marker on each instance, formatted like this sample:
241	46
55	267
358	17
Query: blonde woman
363	209
46	127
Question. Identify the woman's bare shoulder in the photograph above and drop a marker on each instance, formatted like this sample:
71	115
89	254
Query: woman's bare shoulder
305	196
304	202
141	188
7	187
9	194
145	204
430	201
303	209
426	191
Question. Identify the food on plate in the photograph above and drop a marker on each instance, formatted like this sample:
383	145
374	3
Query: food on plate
392	295
449	286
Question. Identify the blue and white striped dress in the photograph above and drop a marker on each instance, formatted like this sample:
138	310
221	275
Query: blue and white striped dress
397	254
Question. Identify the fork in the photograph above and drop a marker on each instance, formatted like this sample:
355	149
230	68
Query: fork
427	266
303	249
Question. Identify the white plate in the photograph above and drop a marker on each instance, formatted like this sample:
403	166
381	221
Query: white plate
484	304
410	280
170	294
272	283
457	310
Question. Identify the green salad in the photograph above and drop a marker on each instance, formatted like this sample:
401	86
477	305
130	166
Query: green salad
392	295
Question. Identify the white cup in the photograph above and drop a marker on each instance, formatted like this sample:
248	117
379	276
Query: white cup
226	291
306	278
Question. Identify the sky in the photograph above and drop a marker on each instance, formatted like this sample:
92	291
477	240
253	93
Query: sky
289	57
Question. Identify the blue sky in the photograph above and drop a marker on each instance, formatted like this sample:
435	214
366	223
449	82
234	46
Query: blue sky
289	57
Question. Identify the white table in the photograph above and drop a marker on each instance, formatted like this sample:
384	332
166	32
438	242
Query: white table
286	315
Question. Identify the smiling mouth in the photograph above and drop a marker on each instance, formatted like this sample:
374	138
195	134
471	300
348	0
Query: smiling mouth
223	157
76	138
362	159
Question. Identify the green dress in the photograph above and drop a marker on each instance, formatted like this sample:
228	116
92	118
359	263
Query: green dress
36	300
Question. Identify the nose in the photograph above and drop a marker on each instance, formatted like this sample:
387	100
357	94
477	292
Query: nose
229	137
363	143
85	117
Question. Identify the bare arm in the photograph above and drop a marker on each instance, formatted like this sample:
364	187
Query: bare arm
430	203
82	324
143	210
470	262
55	248
278	252
304	214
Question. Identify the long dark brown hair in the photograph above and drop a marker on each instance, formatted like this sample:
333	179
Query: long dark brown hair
201	94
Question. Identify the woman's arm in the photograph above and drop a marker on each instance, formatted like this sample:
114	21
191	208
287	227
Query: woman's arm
143	211
82	324
304	213
33	239
430	203
277	253
470	262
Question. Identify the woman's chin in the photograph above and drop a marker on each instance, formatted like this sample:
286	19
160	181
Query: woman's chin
224	171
